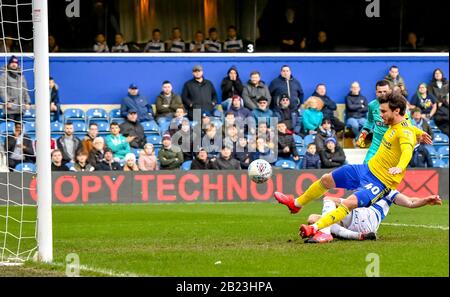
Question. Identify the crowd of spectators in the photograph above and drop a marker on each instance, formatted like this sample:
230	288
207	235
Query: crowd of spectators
255	120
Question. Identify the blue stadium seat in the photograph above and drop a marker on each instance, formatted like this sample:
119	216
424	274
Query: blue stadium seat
154	139
57	129
79	127
29	114
26	167
438	163
433	125
440	139
443	152
186	166
308	139
103	126
6	126
30	127
114	115
96	113
150	127
136	152
301	151
298	140
285	164
74	115
445	162
2	114
431	150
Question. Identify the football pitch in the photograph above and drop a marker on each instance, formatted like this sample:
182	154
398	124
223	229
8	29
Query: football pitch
235	239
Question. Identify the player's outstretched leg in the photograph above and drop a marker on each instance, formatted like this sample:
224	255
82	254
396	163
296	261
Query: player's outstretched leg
315	191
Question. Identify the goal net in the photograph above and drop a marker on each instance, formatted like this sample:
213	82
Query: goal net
20	101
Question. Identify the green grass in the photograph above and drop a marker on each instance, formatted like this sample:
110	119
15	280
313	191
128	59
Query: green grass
249	239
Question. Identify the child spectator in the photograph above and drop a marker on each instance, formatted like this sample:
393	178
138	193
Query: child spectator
198	44
147	159
425	101
233	44
356	108
212	141
170	157
225	160
438	87
286	144
261	150
57	164
81	163
311	160
255	89
117	142
155	45
120	46
130	163
201	161
333	155
100	45
108	163
213	44
242	153
184	139
312	115
166	105
178	118
231	137
323	133
55	107
176	44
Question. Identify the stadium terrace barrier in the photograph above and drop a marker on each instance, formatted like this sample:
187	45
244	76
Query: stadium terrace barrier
104	78
196	186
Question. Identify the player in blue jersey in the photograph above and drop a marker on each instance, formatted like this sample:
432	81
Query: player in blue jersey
362	223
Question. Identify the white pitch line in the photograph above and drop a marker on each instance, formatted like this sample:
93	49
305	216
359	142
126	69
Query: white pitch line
417	226
107	272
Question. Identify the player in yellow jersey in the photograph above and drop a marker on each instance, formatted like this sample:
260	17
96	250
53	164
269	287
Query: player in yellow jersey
371	181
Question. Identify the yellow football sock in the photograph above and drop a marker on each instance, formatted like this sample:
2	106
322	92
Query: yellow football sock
332	217
316	190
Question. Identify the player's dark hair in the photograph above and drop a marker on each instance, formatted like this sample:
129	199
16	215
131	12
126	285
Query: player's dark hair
395	100
382	83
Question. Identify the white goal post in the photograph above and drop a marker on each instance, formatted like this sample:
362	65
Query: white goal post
43	158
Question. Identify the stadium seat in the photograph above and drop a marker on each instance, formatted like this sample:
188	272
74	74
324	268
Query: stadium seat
154	139
74	115
114	116
29	114
30	127
285	164
438	163
96	113
301	151
103	125
136	152
443	152
440	139
6	127
26	167
433	125
57	129
431	150
298	140
186	166
308	139
70	165
445	162
79	127
150	127
2	114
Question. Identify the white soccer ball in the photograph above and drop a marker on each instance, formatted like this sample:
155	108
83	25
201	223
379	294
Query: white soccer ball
260	171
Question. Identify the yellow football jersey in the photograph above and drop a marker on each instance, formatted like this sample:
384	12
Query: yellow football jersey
395	151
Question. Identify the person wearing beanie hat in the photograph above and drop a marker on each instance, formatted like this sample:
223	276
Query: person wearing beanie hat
14	88
201	161
130	163
323	132
170	157
333	155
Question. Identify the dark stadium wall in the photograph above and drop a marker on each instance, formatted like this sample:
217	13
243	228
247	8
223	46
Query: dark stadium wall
199	186
104	80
